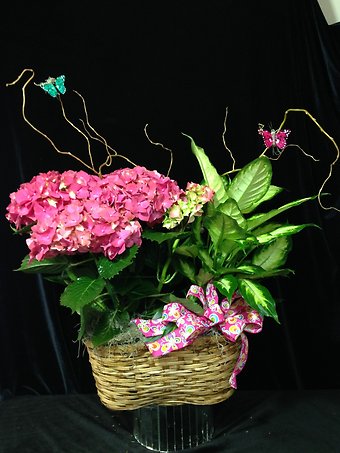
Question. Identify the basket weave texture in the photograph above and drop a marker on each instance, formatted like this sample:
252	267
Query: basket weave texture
128	377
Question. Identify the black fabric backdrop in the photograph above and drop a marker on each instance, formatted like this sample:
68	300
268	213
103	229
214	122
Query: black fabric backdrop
176	66
252	420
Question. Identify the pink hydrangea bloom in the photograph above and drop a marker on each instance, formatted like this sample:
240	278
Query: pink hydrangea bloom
74	212
38	192
146	194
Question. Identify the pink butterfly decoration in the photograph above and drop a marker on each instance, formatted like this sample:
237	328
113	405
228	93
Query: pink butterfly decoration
275	139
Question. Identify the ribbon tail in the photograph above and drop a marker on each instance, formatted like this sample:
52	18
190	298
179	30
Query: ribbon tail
241	361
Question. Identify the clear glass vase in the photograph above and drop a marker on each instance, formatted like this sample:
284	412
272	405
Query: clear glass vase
173	428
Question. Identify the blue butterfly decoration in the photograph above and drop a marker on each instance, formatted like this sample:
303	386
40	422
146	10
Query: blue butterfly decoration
54	86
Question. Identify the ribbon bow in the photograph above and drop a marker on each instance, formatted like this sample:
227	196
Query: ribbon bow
232	319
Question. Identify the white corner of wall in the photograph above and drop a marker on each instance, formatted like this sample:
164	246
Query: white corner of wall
331	10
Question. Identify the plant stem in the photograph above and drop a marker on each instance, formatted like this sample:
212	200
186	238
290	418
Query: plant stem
163	277
81	262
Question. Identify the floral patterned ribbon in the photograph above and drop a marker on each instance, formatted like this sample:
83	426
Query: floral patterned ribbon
232	319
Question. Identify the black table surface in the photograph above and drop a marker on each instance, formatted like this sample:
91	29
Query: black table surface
305	421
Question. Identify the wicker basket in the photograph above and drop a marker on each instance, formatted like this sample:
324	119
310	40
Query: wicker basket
128	377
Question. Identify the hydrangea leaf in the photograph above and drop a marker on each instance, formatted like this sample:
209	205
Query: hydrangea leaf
81	292
109	325
46	266
109	268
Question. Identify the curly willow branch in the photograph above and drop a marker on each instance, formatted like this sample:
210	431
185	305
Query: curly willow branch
86	135
23	110
80	132
332	163
290	145
101	139
162	146
233	170
224	142
294	145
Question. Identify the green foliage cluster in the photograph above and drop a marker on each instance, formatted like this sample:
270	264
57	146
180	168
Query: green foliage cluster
235	244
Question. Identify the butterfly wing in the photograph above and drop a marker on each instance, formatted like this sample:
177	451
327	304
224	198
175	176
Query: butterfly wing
54	86
59	83
267	138
49	88
281	138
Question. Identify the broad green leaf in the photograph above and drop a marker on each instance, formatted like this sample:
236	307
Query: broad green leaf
89	315
23	230
222	229
251	184
85	320
61	280
103	334
259	219
228	270
81	292
203	277
261	273
109	268
88	269
266	228
249	269
187	250
108	326
211	176
251	272
185	267
196	228
286	230
192	304
227	285
248	242
271	193
143	289
231	209
206	259
273	255
136	288
258	297
46	266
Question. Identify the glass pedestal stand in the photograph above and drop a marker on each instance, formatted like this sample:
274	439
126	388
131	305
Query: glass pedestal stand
173	428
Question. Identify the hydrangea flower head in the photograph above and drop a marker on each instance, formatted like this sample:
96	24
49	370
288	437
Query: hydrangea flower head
75	212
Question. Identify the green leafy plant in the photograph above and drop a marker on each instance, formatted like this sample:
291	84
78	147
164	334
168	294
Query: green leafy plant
125	244
233	244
